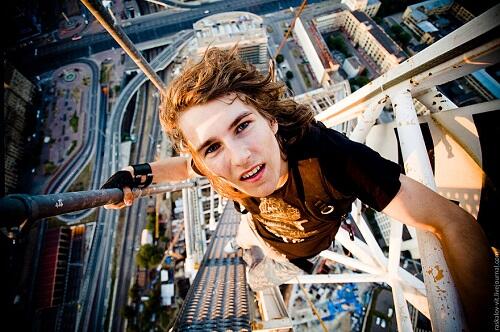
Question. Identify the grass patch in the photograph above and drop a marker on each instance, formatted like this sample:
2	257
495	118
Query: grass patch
82	182
305	77
105	73
49	168
71	147
73	122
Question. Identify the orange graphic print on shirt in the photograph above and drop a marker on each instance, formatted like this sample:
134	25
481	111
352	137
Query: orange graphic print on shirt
282	220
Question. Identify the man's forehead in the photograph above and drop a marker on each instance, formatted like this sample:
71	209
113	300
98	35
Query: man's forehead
202	122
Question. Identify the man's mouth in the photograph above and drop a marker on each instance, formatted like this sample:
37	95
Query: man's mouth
253	173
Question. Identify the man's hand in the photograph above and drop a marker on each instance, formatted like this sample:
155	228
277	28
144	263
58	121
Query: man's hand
123	180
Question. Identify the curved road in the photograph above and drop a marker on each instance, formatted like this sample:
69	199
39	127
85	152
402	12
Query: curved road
94	145
96	289
73	167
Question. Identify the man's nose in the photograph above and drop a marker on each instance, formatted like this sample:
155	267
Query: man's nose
240	155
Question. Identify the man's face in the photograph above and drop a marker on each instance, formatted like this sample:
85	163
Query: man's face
236	143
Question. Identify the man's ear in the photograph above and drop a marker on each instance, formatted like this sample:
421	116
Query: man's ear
274	126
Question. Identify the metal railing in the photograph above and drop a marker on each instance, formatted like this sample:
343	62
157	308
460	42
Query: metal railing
19	209
472	47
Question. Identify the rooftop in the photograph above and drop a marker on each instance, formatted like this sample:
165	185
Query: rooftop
430	5
226	27
239	21
354	62
379	34
427	26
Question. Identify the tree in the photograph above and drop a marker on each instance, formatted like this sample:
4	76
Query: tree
280	58
150	222
400	35
405	38
128	312
149	256
359	81
133	292
73	122
397	29
337	43
49	168
289	75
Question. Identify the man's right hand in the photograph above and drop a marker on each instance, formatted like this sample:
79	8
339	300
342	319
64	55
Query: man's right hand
123	180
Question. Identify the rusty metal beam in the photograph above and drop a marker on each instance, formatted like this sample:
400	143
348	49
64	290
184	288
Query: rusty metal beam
20	208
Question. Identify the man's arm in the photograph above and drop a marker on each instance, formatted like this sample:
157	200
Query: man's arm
171	169
464	243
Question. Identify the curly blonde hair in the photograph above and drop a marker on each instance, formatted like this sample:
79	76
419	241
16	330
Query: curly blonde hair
217	74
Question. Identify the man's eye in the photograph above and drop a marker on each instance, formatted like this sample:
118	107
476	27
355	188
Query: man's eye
212	148
242	126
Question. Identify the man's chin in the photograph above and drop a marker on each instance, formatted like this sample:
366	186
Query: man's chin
259	193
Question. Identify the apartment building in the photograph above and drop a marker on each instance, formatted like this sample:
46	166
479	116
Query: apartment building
18	95
224	30
369	7
365	33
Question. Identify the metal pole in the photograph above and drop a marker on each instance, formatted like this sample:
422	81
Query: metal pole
366	121
116	31
211	221
435	101
187	231
441	293
18	208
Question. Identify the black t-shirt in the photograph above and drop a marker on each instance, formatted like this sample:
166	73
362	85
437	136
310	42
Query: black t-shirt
327	172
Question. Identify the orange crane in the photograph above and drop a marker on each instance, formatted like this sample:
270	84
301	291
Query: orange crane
170	250
290	28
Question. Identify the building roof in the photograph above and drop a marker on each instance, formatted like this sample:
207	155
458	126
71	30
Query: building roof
427	26
319	44
228	28
430	5
379	34
353	62
488	82
239	21
418	15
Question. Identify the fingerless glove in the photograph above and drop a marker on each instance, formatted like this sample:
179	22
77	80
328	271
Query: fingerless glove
124	179
119	180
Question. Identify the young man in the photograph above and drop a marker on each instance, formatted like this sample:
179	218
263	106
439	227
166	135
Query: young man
296	177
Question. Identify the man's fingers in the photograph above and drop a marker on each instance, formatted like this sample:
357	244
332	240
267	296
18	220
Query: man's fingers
128	197
114	206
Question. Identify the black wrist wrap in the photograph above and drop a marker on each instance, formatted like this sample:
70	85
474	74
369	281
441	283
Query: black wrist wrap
141	170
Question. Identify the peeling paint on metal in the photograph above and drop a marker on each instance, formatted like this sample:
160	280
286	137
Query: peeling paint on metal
440	291
436	276
439	275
